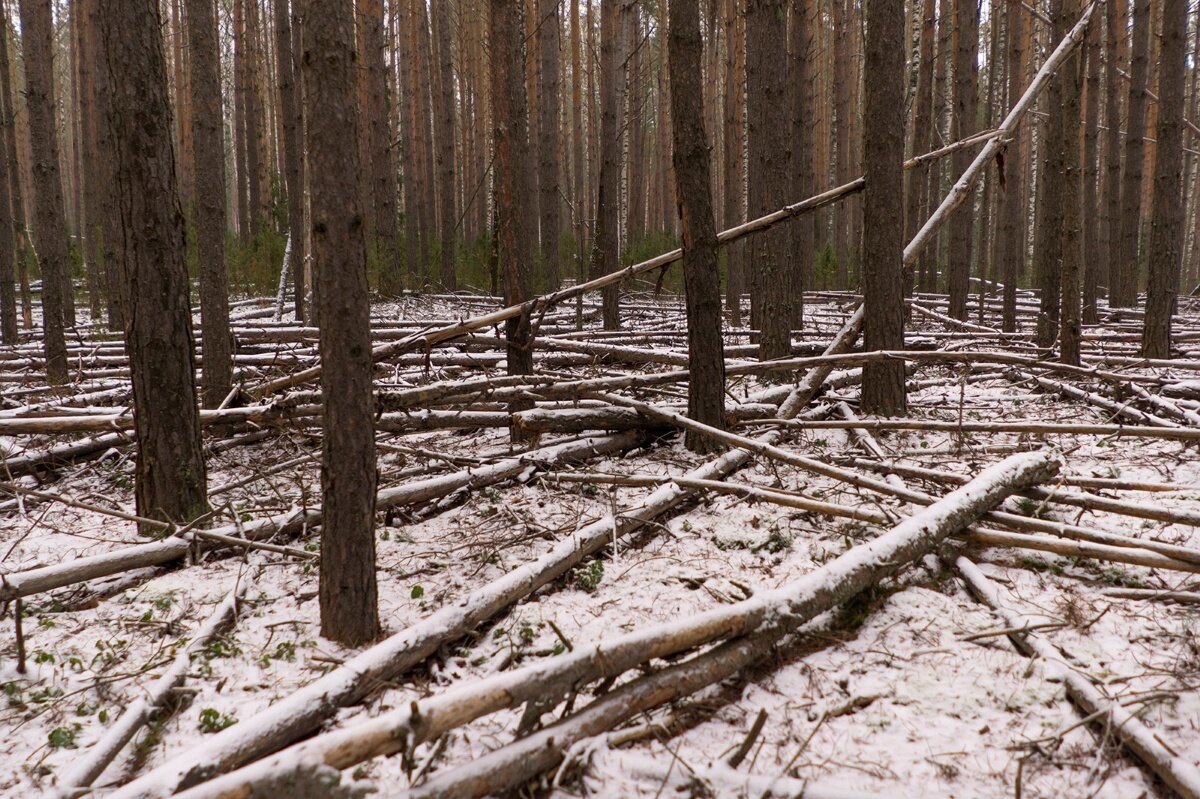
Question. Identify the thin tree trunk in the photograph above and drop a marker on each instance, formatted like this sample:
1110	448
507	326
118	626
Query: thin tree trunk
1012	208
378	164
732	214
1113	56
548	107
170	483
209	171
842	111
606	248
772	293
240	98
50	229
9	328
1095	250
1125	278
966	67
917	180
293	155
442	12
883	221
1070	76
581	188
803	64
1167	221
349	610
702	280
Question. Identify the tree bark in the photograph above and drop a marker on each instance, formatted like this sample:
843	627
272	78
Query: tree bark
606	247
966	67
171	482
50	224
9	327
1113	56
1095	250
1012	207
549	104
442	12
378	159
240	97
772	293
917	180
1125	275
349	611
1167	219
291	109
883	223
209	171
804	66
734	141
702	280
1069	78
515	237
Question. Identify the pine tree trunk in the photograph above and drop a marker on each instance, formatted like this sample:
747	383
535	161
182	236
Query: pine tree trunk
917	180
580	187
209	171
442	12
423	52
514	234
9	327
290	108
349	610
966	66
702	280
548	107
1113	57
240	115
734	134
1070	75
170	481
408	142
931	262
883	222
1095	250
255	151
50	228
842	110
1125	277
606	248
772	293
1167	219
803	65
1012	206
377	164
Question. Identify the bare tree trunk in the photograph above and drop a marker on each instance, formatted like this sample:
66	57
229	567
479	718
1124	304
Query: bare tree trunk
1047	257
883	222
254	124
606	248
515	238
290	108
9	332
841	102
378	163
240	98
408	141
549	105
581	189
1167	221
171	482
702	280
966	67
1069	77
772	293
732	214
1124	289
209	171
1095	250
442	12
930	258
14	172
801	103
50	229
1113	39
917	180
349	611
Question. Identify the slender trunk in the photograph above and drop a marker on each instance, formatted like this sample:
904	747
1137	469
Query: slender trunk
1166	226
579	167
917	180
883	222
1125	277
842	110
734	134
803	67
966	67
442	12
702	280
293	155
1070	76
930	260
349	610
548	107
606	249
240	98
170	482
1113	56
49	229
209	169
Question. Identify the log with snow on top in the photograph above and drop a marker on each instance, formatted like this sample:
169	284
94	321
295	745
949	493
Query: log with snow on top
752	628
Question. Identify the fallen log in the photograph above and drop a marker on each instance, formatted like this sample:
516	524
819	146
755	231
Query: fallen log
1180	774
77	778
304	710
755	625
1030	428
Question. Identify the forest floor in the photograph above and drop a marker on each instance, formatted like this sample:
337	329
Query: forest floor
910	690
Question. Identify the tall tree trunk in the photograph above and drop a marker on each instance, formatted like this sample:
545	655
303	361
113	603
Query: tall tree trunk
1114	36
883	223
209	171
80	69
635	127
772	293
171	483
548	107
1069	77
423	51
581	188
290	109
1013	204
255	151
1095	251
966	67
842	110
734	134
408	141
1047	258
702	281
1166	226
445	123
917	180
1125	277
514	234
14	171
803	65
606	249
9	327
931	261
349	610
50	226
378	164
240	119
